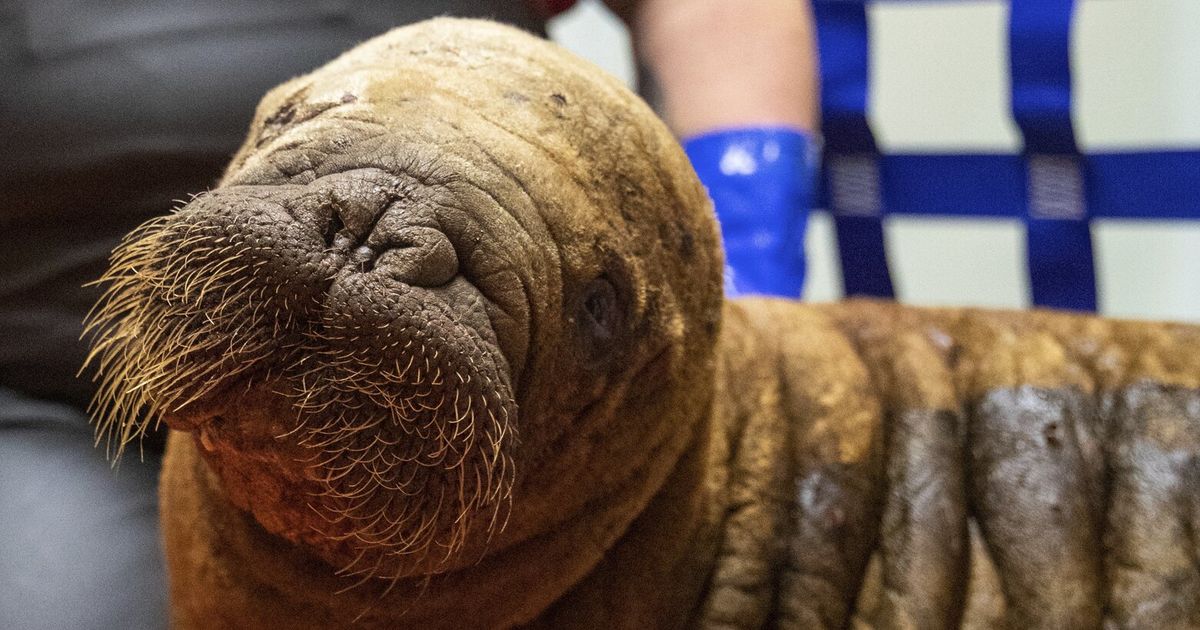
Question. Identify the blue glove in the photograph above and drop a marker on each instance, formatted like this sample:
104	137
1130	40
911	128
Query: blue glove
760	182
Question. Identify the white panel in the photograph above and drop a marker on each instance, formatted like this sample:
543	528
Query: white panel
958	262
939	77
1149	269
591	31
824	280
1137	73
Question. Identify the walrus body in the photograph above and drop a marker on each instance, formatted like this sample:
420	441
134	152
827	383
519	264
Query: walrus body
447	348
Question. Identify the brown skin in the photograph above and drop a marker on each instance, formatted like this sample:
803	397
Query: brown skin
462	198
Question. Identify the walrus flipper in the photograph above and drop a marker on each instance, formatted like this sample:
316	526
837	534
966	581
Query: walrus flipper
959	468
805	426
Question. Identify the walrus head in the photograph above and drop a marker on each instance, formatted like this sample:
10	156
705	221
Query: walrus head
455	279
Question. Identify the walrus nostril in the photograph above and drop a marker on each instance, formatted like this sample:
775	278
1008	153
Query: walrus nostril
335	232
415	255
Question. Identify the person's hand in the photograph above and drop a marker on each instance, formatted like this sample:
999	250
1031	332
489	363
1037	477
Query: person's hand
760	182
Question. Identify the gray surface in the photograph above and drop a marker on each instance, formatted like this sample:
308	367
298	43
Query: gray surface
79	541
111	111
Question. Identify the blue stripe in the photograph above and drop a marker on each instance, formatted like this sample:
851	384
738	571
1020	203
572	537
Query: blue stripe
1039	57
1149	185
1059	241
819	2
954	185
1126	185
863	256
842	48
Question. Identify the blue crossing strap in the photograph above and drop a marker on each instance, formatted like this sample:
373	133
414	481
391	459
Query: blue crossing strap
1059	241
852	179
1144	185
1051	187
1120	185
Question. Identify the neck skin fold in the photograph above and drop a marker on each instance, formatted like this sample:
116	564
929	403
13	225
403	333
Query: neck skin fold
644	544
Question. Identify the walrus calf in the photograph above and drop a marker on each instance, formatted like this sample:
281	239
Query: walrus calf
447	348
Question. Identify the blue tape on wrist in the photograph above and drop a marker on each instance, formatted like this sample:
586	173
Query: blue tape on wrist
760	180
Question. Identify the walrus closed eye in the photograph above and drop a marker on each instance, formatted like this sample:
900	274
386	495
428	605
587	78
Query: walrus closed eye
447	348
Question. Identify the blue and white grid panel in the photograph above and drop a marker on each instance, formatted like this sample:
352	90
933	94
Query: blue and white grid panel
997	152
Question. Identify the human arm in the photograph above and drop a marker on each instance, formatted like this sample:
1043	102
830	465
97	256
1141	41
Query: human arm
738	84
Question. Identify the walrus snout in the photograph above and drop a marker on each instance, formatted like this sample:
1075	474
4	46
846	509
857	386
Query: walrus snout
325	337
296	239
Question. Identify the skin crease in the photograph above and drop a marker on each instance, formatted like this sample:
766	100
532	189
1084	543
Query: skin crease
653	456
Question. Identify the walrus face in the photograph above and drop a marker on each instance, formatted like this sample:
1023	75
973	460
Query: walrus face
324	340
424	301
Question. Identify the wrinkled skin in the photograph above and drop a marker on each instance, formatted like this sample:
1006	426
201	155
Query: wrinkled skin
447	348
